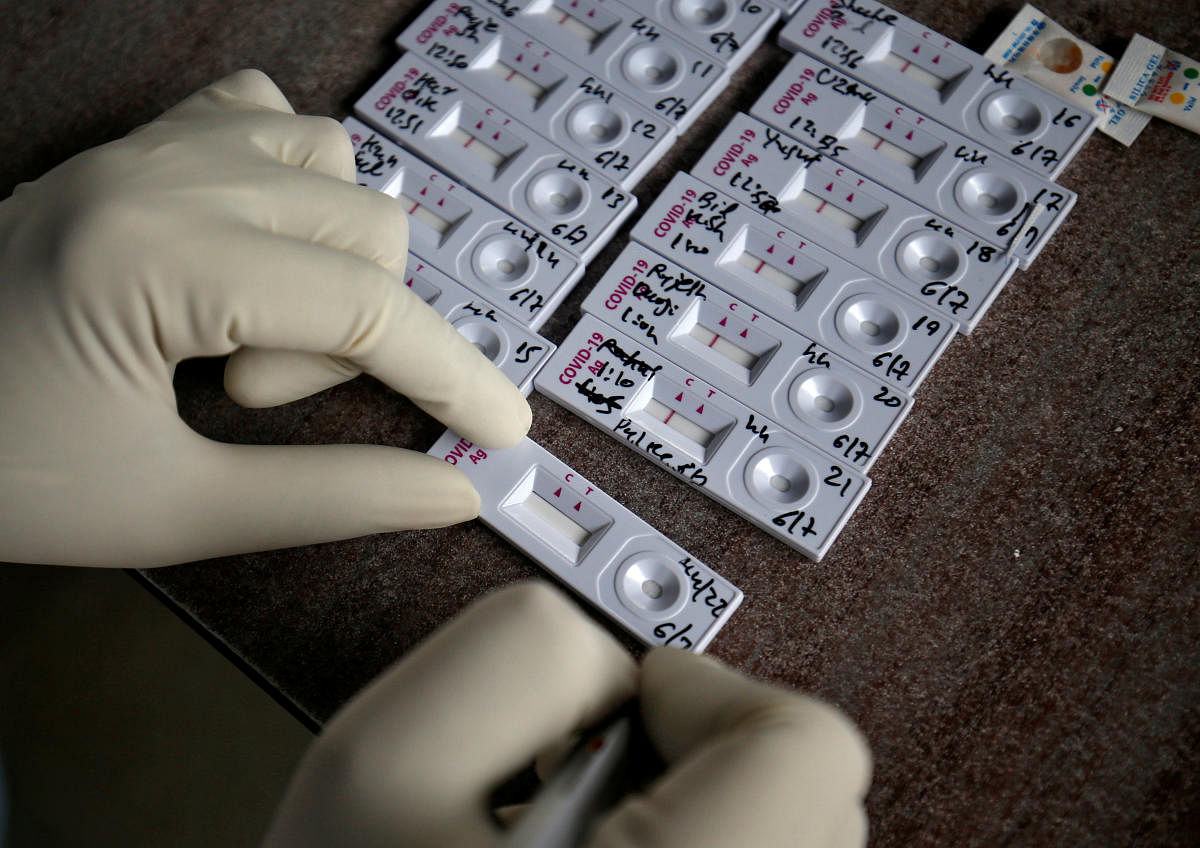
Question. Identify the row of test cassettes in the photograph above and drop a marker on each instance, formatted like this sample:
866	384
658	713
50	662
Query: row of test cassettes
763	333
516	164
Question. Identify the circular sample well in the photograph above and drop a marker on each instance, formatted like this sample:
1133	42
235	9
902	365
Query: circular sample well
651	585
595	124
700	14
822	399
651	67
987	194
500	260
483	336
928	256
1011	115
778	477
869	323
556	194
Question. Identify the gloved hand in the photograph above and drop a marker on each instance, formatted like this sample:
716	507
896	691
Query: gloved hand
227	225
413	758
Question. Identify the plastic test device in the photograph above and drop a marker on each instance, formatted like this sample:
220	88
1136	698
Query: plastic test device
516	351
948	82
878	230
747	462
635	54
768	367
574	109
813	292
658	302
719	239
459	233
777	373
431	114
728	30
632	573
787	7
915	156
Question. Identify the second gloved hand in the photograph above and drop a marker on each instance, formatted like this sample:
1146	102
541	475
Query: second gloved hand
413	759
228	225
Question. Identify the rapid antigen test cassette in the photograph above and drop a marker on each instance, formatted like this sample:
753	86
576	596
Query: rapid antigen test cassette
657	301
569	106
719	239
632	573
498	257
947	173
516	351
432	115
740	458
787	7
636	54
728	30
766	366
948	82
807	389
875	228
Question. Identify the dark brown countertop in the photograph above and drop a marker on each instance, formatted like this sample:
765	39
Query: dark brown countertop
1012	616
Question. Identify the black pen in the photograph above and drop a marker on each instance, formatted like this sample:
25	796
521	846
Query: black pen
607	764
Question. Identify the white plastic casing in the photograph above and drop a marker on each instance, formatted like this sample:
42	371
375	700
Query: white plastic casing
719	239
791	379
878	230
498	157
771	369
622	566
516	351
637	54
942	170
575	109
1024	122
739	458
498	257
785	7
655	300
728	30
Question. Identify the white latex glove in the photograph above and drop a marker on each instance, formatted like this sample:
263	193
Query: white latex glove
413	758
227	225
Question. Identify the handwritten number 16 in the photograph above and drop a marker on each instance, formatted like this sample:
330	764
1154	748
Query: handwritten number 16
1063	118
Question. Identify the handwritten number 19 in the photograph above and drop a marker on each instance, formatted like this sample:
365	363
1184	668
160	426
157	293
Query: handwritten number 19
931	326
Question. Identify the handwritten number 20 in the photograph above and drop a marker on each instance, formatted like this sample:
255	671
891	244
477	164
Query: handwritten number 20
887	398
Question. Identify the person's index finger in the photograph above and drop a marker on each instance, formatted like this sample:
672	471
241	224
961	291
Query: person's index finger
270	291
247	86
252	110
253	86
319	144
311	142
315	206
